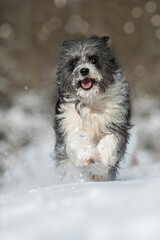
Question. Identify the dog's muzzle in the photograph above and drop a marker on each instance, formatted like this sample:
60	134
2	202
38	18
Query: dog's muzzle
85	77
86	83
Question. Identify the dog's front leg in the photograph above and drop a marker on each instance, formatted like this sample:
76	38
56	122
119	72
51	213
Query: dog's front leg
81	150
107	149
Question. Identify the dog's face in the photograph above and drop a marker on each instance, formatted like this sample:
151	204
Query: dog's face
86	69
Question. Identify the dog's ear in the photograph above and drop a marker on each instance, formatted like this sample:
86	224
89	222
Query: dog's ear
65	43
105	39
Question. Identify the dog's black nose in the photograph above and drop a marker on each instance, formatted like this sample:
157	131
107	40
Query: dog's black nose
84	71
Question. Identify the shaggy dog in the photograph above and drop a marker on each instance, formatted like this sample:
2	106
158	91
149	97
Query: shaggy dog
92	117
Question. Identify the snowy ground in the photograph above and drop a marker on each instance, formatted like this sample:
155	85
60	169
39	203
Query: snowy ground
35	206
113	210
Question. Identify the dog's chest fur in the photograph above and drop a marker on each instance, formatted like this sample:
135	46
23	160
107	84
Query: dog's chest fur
91	120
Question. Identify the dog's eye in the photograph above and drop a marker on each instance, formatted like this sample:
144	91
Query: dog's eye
74	63
93	60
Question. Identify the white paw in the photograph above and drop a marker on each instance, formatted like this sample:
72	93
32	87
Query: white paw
81	151
86	156
106	149
85	161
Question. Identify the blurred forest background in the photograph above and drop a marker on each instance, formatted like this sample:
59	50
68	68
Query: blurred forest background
31	34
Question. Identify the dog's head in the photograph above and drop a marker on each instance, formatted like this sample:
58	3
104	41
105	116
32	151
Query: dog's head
86	69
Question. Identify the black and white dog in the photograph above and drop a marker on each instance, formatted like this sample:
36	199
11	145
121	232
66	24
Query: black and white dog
92	117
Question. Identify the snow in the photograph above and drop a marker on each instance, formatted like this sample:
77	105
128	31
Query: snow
107	210
36	205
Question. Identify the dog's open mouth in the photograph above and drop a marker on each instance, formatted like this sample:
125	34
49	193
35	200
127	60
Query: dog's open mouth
87	83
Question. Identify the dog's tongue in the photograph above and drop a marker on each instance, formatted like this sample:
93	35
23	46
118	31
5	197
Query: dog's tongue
86	83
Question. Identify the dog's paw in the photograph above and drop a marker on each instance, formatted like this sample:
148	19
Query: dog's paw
86	156
96	178
85	161
97	171
107	150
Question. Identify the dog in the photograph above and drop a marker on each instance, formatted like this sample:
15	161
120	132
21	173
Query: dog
92	114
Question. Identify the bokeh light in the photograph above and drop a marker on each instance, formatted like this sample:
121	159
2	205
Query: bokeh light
6	31
155	20
47	28
129	27
60	3
76	24
137	12
157	33
151	7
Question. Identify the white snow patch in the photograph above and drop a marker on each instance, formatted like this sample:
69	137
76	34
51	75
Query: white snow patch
125	210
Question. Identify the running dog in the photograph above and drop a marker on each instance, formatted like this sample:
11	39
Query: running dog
92	117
